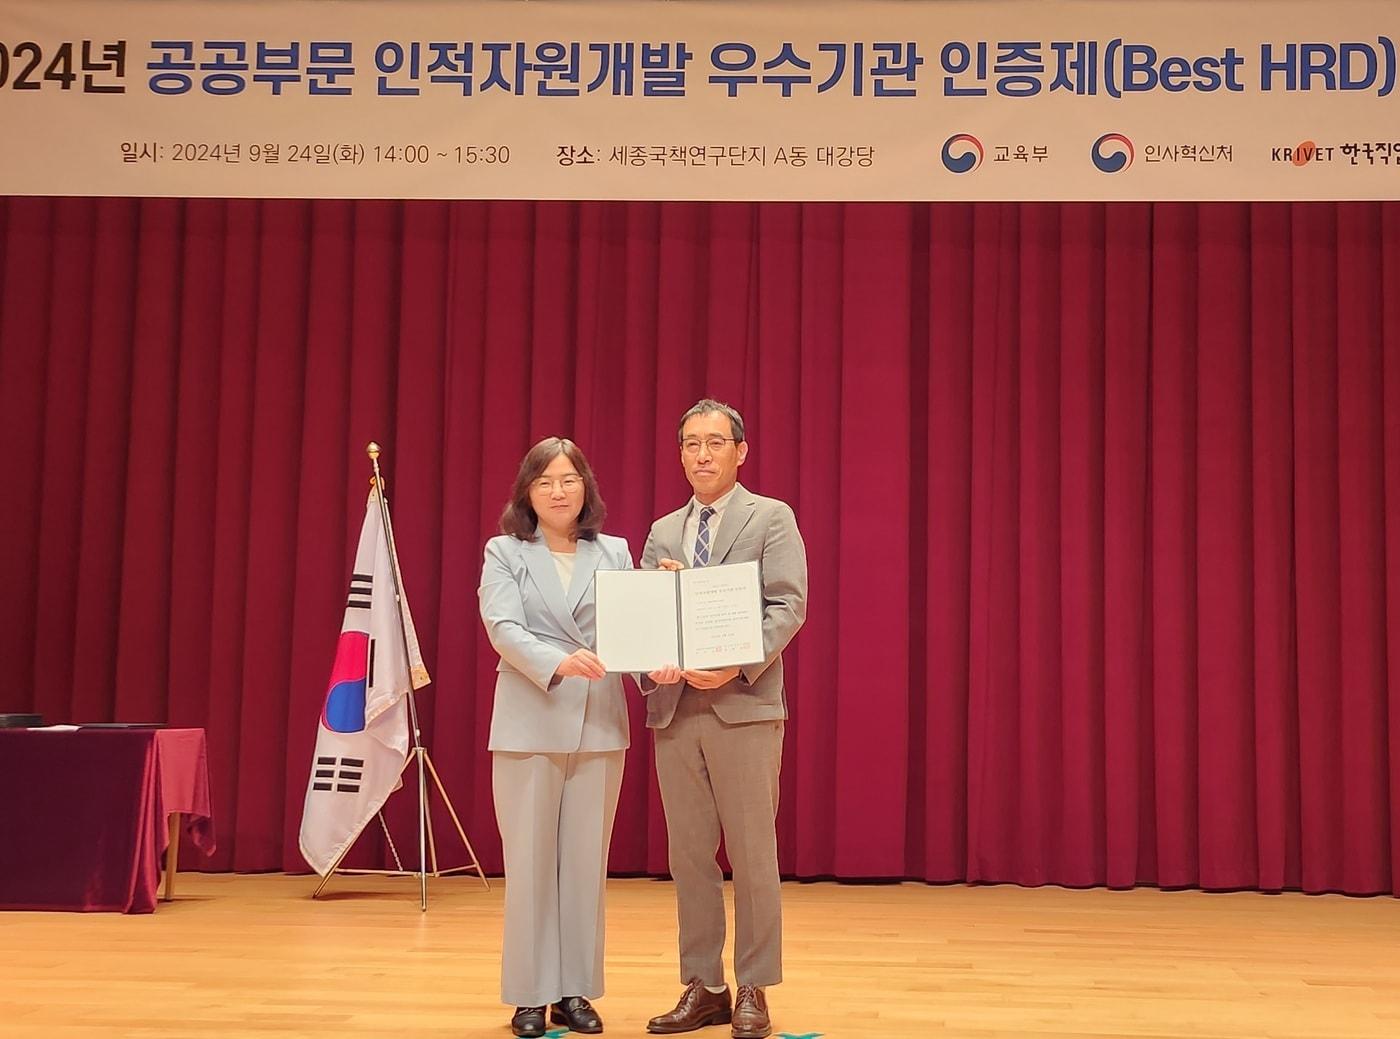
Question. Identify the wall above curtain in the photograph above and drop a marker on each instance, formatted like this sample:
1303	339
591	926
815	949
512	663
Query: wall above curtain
726	100
1100	501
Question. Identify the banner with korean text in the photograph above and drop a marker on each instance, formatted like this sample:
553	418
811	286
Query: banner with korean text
702	99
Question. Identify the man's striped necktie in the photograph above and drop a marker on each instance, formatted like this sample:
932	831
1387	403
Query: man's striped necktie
702	537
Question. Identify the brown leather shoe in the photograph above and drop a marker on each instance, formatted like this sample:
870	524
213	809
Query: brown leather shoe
697	1008
751	1014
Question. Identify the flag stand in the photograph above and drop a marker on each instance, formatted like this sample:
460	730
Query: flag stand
427	847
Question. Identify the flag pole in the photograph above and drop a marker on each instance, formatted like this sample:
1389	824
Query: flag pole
373	450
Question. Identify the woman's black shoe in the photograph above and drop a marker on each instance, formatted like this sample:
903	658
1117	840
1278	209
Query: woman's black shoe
578	1014
528	1021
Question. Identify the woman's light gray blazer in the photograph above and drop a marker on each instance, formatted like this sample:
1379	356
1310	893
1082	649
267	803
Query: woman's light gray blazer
534	623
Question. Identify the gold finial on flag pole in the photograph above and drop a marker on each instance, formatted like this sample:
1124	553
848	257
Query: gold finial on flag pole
372	449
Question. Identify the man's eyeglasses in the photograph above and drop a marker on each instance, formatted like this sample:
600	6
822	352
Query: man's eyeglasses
714	444
546	485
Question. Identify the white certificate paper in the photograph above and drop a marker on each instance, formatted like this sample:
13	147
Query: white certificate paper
721	614
709	617
636	619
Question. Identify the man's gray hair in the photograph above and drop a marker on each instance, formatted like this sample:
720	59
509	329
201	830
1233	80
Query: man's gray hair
708	406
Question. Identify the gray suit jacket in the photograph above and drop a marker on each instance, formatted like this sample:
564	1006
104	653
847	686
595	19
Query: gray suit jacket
534	623
753	527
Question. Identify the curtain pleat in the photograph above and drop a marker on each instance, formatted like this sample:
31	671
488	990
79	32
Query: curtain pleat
1100	502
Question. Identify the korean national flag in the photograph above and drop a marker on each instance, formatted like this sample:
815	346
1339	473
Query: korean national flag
362	736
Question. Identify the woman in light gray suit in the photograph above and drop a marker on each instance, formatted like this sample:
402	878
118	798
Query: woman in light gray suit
559	736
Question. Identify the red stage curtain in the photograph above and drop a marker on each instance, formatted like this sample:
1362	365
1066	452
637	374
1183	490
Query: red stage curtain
1102	502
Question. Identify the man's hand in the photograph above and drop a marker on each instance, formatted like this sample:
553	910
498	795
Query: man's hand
710	679
669	564
668	675
581	663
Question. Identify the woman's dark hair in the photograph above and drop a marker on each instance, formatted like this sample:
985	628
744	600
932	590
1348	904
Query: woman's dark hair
519	519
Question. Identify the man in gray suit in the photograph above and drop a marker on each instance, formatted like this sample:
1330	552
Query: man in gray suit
719	735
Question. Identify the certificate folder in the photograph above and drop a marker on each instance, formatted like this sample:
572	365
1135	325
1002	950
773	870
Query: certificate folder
708	617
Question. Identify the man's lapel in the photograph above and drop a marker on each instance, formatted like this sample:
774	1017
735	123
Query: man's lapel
546	577
736	517
670	532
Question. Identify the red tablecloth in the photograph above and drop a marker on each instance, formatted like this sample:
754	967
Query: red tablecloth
83	814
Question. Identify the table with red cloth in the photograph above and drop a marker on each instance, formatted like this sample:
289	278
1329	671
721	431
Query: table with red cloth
85	814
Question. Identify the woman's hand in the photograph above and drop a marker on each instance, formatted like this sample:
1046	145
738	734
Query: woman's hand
669	564
668	675
581	663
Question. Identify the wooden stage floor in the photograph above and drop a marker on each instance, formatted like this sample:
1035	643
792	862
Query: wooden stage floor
254	956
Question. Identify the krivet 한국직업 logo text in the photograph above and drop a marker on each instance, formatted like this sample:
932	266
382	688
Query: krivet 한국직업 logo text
1303	152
